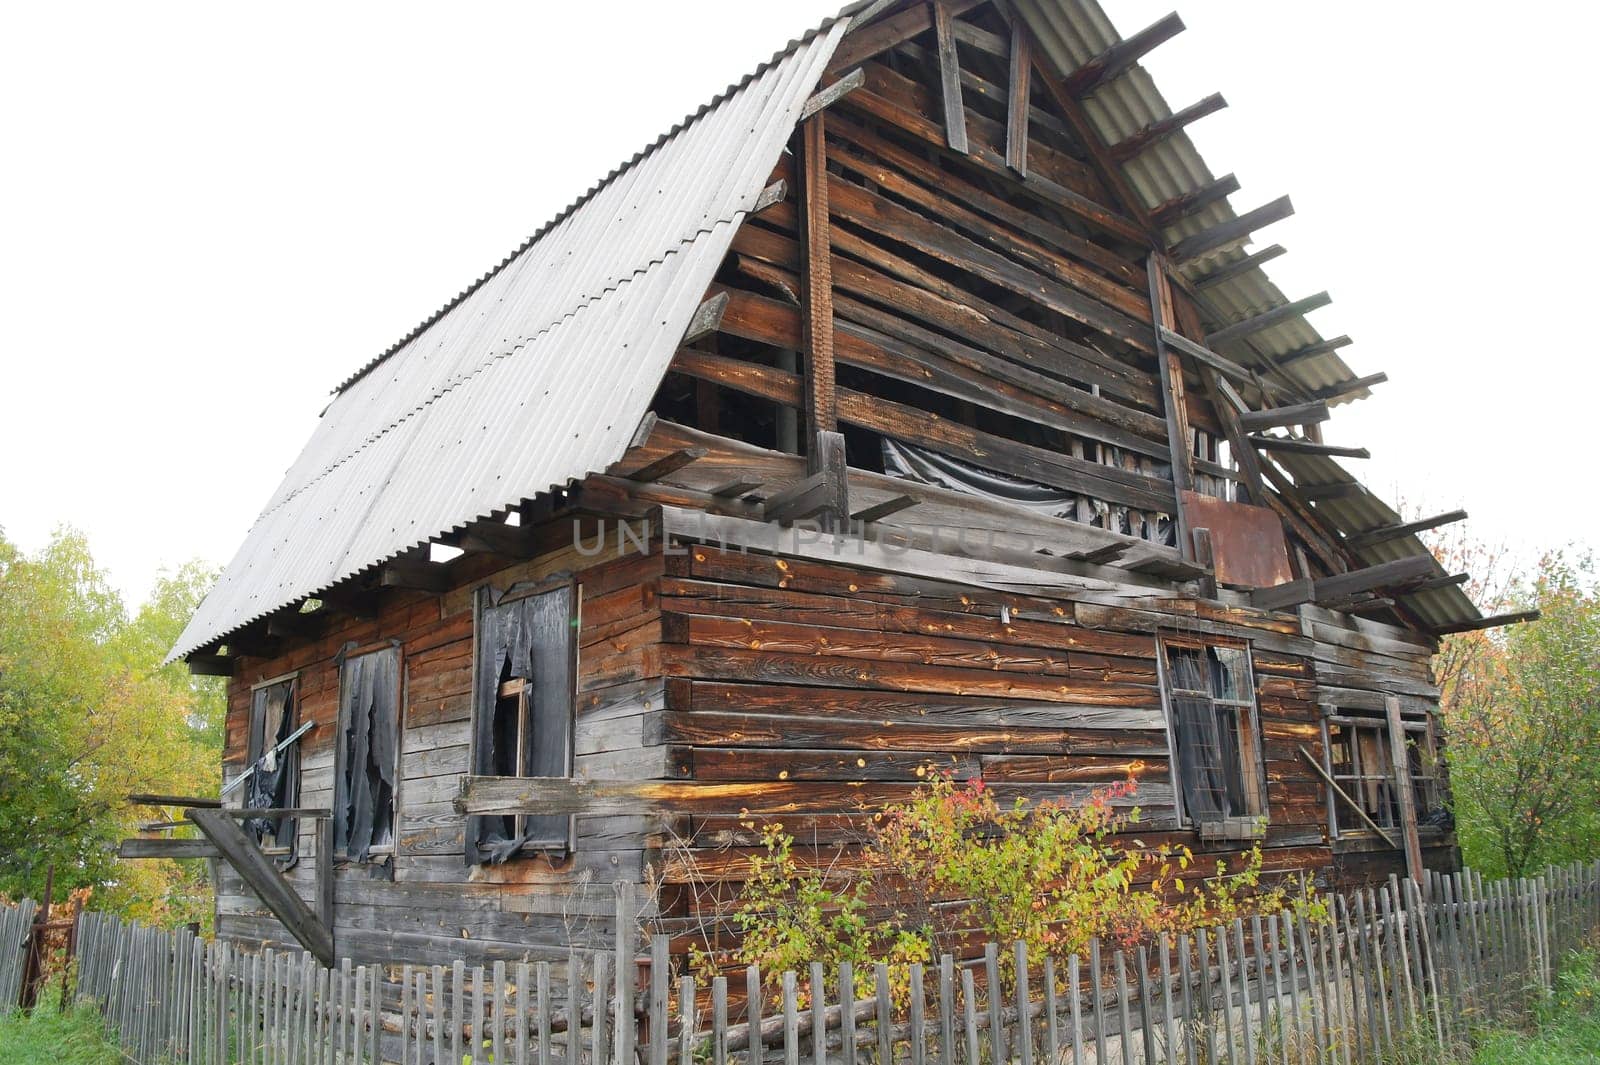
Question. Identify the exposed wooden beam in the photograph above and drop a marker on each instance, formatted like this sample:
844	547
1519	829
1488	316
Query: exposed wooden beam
707	319
201	665
672	462
144	798
1017	96
1400	766
771	195
955	115
1308	447
821	493
1184	204
293	623
353	600
1433	584
1229	271
1344	585
735	489
1221	363
415	575
1232	231
1267	319
1273	417
1162	128
1345	388
1103	554
1283	596
1494	621
1115	60
1311	351
498	538
269	885
1385	533
832	94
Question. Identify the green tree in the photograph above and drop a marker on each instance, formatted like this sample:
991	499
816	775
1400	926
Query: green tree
87	715
1522	716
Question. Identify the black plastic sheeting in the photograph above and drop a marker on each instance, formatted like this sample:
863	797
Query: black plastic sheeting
912	463
276	780
532	638
1209	768
369	714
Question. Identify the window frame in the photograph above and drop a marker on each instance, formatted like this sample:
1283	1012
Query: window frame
1426	785
255	746
384	852
486	598
1252	758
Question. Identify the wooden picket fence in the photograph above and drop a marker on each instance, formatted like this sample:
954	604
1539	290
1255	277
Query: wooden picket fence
1398	967
15	921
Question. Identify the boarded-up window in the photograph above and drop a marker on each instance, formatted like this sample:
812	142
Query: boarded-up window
1360	761
524	686
368	750
1210	697
274	782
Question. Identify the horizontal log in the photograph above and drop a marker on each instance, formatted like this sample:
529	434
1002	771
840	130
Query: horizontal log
141	798
1385	533
1266	320
1116	60
1383	575
1232	231
1162	128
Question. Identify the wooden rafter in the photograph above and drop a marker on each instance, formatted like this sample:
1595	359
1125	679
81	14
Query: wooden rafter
1385	533
1267	319
1116	60
1232	231
1162	128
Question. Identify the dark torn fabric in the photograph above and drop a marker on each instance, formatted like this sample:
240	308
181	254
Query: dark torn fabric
369	711
528	638
1207	748
912	463
275	782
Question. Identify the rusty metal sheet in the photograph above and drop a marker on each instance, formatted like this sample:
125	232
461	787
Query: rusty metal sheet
1247	545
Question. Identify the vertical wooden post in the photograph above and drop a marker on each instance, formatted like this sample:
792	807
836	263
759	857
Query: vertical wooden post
1163	315
816	283
1402	783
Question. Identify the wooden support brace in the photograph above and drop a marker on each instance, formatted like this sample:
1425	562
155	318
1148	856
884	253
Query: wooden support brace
668	464
1017	96
1229	271
1267	319
832	94
1173	399
869	40
955	116
735	489
1204	355
822	494
1231	232
1384	574
707	319
1385	533
263	877
1274	417
1282	596
1115	60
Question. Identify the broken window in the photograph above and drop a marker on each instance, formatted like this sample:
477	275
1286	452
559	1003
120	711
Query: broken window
368	742
524	689
1209	691
1360	760
274	767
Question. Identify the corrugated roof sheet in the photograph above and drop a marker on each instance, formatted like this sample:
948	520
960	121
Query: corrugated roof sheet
598	298
537	375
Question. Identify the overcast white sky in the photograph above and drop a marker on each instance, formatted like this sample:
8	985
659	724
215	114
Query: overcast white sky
208	217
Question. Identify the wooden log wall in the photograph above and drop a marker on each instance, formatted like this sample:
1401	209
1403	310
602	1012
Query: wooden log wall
429	905
996	317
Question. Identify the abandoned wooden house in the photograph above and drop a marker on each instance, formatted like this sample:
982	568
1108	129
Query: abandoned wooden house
920	401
